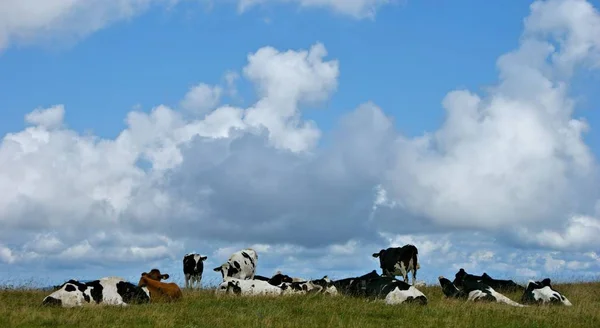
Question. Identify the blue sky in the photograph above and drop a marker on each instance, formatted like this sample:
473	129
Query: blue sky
393	154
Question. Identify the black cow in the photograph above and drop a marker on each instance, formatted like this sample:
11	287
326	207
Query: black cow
193	267
497	284
374	286
355	286
474	291
399	261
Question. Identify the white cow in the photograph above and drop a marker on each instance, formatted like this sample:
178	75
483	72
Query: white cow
108	290
241	265
247	287
541	292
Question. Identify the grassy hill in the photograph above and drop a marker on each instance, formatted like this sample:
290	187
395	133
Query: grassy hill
21	308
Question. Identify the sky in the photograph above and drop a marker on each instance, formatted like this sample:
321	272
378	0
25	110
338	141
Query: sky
315	131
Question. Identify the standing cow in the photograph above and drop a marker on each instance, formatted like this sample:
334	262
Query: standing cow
193	266
399	261
241	265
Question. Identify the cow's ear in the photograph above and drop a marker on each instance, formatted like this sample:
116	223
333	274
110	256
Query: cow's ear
165	276
144	274
203	258
217	269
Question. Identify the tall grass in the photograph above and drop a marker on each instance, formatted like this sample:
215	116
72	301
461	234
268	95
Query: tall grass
22	308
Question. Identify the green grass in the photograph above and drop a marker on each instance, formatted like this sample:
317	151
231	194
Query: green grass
22	308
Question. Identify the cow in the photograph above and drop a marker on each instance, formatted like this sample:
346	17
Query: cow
248	287
278	278
316	286
193	266
541	292
160	291
156	275
355	286
474	291
107	290
241	265
374	286
399	261
498	285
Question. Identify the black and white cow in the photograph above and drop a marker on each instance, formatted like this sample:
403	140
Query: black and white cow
108	290
474	291
497	284
247	287
399	261
541	292
193	266
395	291
355	286
315	286
241	265
374	286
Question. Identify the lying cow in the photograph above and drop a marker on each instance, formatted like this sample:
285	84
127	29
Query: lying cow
316	286
247	287
541	292
498	284
193	267
240	265
374	286
399	261
355	286
395	291
160	291
474	291
108	290
278	278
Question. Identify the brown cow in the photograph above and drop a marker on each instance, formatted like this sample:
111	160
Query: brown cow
156	275
160	291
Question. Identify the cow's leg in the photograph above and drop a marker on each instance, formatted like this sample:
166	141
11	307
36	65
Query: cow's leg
404	272
199	282
187	280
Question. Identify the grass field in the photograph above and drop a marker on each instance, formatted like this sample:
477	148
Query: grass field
21	308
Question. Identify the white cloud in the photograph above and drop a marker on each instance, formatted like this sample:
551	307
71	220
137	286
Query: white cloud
515	156
202	98
356	8
579	233
49	118
510	163
28	21
34	21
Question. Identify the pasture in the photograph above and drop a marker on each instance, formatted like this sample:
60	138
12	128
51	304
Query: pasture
22	308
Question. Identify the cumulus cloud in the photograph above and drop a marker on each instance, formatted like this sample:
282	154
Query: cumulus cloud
50	118
510	163
202	98
28	21
33	21
357	8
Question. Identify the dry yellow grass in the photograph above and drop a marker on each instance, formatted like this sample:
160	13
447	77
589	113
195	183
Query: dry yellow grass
21	308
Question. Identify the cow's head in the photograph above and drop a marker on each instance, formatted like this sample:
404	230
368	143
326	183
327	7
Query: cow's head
227	270
448	287
155	274
379	254
279	278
